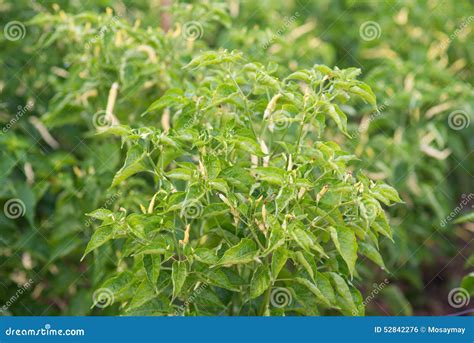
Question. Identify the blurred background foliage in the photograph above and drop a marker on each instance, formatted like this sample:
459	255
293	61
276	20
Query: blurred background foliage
419	65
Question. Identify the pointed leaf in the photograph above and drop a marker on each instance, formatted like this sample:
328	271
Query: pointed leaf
365	92
372	253
152	264
338	116
345	241
244	252
100	214
205	255
271	175
467	218
343	294
179	272
134	163
260	281
468	283
301	259
314	289
100	236
279	257
324	285
302	238
220	279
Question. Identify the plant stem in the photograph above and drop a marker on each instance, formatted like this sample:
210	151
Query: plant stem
266	296
265	302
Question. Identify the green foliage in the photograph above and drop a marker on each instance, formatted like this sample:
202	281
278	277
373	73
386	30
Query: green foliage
246	160
237	205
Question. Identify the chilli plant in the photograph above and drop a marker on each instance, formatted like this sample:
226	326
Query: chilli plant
52	166
247	209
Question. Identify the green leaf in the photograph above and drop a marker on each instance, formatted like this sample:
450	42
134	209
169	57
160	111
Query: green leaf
343	294
220	279
206	256
260	281
215	209
372	253
358	301
467	218
314	289
279	257
140	224
115	130
119	283
380	224
323	69
385	194
168	141
100	236
324	285
271	175
468	283
171	97
345	241
153	248
213	57
300	75
219	185
469	262
238	178
302	238
144	293
213	166
179	271
152	264
208	297
365	92
100	214
151	305
180	174
28	199
7	163
244	252
338	116
249	145
277	235
134	163
301	259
